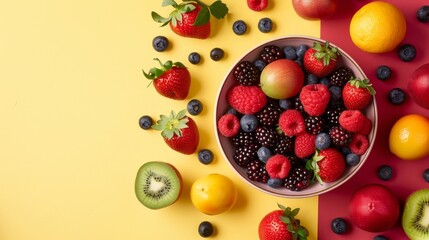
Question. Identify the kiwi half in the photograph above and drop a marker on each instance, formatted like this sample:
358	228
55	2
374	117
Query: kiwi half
158	184
415	219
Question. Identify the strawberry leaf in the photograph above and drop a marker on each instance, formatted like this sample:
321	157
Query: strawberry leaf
159	19
203	16
294	212
218	9
172	124
168	3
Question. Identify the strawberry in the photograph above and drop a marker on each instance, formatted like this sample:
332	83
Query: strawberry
314	98
257	5
328	165
282	224
192	17
278	166
352	120
357	94
305	145
179	132
228	125
172	80
291	122
321	59
246	99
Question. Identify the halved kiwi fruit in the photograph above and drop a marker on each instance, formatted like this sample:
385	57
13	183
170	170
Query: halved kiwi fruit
158	184
415	219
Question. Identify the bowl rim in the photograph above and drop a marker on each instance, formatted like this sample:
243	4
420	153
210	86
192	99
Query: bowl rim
330	186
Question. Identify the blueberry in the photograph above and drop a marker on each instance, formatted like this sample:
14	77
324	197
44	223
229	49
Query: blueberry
194	107
248	123
311	79
397	96
380	237
265	25
194	58
385	172
274	182
300	50
260	64
323	141
300	62
232	111
345	151
325	81
426	175
205	229
285	103
423	14
217	54
290	53
205	156
239	27
339	225
145	122
352	159
383	72
335	93
263	154
407	52
160	43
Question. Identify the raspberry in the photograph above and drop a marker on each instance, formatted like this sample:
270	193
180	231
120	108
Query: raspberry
352	120
278	166
314	98
257	5
228	125
367	126
359	144
305	145
247	99
291	122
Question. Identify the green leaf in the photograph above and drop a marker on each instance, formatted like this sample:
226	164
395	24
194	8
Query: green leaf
218	9
281	206
294	212
159	19
168	65
203	17
168	3
181	114
179	64
285	219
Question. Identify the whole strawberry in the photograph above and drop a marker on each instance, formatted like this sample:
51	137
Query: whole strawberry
357	94
179	132
172	80
314	98
282	225
321	59
191	18
328	165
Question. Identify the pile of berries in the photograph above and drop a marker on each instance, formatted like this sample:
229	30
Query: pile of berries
290	143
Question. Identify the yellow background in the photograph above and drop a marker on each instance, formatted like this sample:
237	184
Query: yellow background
71	94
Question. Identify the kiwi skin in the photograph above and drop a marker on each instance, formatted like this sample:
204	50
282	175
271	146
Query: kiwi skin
156	169
416	212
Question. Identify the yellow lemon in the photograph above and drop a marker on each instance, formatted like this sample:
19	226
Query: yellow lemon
409	137
378	27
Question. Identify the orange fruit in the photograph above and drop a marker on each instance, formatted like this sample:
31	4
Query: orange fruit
378	27
409	137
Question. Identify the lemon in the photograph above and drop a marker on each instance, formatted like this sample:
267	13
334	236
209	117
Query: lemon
409	137
378	27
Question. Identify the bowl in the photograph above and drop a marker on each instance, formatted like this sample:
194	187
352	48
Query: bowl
228	149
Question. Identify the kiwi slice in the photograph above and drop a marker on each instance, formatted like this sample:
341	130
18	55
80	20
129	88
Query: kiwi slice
158	184
415	219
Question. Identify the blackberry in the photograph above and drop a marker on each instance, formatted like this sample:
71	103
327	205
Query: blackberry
294	160
284	144
298	105
267	137
246	74
242	139
339	136
299	178
256	171
271	53
270	114
333	113
244	155
341	76
314	124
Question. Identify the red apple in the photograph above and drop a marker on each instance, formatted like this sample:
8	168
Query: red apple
418	86
315	9
281	79
374	208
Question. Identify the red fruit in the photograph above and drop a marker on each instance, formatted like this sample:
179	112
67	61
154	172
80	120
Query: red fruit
352	120
291	122
314	98
328	165
228	125
191	19
418	86
359	144
257	5
374	208
315	9
179	132
247	99
305	145
282	225
367	126
278	166
357	94
321	59
172	80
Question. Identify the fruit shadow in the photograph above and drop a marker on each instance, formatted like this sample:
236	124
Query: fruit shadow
241	203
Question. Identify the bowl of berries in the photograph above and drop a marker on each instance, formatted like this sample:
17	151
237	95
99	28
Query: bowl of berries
296	117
